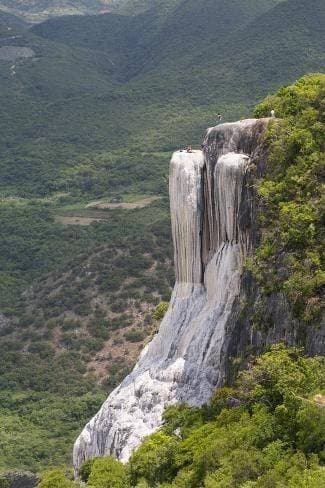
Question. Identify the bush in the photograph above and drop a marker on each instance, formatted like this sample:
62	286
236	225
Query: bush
56	479
160	311
99	329
108	473
4	482
85	469
135	335
154	460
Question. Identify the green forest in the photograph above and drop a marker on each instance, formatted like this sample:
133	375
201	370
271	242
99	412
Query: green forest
91	120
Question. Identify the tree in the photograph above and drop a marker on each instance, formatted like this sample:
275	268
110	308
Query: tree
85	469
4	482
290	197
56	479
154	460
107	472
160	310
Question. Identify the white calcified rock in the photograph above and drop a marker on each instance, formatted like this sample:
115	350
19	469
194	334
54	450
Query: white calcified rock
183	363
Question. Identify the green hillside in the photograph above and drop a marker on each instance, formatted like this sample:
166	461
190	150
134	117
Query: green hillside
170	102
246	61
91	113
265	431
142	42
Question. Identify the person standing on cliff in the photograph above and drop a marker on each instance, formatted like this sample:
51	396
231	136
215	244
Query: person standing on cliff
219	116
204	146
273	113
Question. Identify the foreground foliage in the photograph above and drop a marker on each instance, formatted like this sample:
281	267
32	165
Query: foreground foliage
266	431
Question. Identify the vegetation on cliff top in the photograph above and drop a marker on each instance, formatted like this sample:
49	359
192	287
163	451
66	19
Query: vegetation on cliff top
265	431
291	255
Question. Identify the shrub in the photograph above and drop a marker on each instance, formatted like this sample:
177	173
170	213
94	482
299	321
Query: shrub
56	479
99	329
265	432
160	310
106	472
154	460
85	469
134	335
4	482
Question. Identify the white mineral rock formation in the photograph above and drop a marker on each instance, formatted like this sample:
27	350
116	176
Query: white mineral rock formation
212	214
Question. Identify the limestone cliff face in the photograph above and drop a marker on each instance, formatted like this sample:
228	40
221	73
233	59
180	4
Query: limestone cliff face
213	227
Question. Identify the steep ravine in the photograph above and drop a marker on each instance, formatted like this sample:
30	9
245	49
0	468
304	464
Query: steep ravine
213	226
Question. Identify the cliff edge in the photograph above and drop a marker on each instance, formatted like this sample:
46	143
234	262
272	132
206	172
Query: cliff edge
213	227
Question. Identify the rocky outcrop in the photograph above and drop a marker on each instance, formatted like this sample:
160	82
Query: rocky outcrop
17	479
259	320
217	314
213	226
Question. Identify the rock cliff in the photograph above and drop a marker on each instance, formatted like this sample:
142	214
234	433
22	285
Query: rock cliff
213	227
217	312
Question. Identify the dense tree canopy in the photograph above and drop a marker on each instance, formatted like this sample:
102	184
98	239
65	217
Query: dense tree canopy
291	206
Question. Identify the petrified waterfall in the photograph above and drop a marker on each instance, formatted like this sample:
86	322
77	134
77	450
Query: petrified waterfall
212	214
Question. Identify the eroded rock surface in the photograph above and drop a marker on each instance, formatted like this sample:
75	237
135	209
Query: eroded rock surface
212	213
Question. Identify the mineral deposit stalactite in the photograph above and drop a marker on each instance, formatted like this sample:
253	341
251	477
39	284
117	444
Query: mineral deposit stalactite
212	214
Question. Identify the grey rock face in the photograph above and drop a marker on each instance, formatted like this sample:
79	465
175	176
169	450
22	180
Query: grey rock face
18	479
212	212
261	320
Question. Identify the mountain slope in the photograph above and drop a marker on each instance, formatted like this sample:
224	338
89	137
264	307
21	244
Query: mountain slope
6	19
227	44
287	38
39	10
91	108
142	42
72	123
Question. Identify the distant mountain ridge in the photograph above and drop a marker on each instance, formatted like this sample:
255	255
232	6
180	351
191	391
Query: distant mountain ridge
36	11
270	35
114	70
39	10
